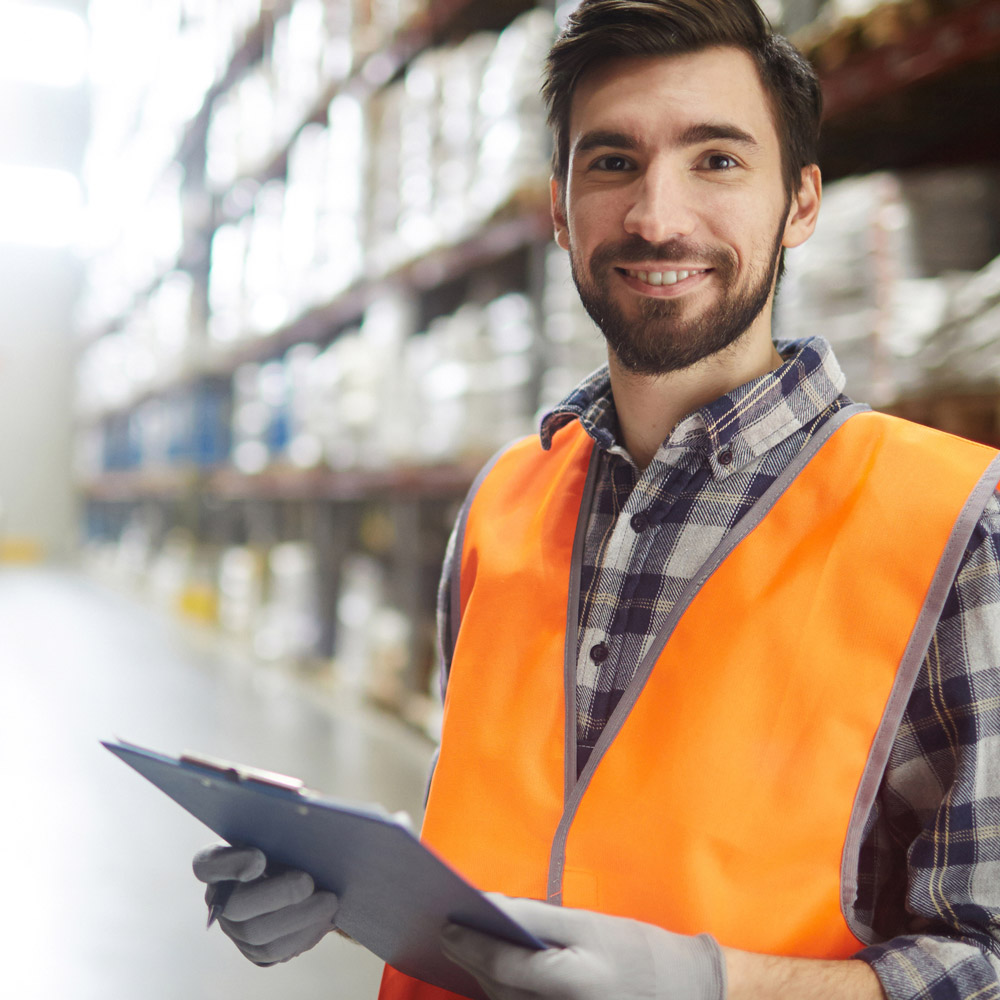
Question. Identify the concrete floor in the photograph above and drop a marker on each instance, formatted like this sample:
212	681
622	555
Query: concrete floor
98	899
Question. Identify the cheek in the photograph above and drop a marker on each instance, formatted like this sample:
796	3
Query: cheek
749	231
597	216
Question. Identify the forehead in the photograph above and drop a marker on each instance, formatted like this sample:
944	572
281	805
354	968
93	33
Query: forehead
657	94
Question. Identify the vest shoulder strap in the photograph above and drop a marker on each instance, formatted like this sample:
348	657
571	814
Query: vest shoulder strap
449	605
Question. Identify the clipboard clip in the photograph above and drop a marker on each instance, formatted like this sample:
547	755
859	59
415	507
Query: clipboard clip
242	772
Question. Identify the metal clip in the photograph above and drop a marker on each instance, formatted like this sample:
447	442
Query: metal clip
242	772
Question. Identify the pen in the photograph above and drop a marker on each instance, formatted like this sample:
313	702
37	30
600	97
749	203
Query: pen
220	896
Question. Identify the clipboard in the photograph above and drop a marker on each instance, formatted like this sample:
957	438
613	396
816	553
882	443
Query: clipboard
395	894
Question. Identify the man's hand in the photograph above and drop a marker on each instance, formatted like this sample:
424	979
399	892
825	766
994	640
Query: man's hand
271	918
595	957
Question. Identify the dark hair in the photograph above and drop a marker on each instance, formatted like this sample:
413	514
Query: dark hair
602	30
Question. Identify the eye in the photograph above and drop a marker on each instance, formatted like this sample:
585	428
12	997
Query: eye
612	163
719	162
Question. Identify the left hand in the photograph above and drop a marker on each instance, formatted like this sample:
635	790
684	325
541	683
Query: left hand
270	919
595	957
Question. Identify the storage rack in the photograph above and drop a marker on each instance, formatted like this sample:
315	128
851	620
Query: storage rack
914	85
926	96
881	75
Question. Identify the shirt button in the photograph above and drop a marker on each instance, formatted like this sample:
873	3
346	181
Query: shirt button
599	653
640	522
726	457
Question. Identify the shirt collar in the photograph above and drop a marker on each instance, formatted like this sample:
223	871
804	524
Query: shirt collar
738	427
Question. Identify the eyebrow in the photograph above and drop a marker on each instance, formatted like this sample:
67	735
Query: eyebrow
693	135
710	131
601	139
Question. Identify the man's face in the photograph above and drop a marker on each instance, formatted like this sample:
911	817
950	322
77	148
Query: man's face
675	211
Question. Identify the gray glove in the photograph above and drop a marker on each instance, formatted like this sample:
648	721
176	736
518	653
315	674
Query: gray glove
271	917
596	957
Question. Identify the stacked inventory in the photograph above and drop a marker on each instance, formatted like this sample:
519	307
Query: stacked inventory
900	276
312	312
321	295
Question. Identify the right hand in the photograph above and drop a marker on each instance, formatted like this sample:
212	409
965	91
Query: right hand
270	917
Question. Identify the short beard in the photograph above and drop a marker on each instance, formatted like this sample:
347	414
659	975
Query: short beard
656	342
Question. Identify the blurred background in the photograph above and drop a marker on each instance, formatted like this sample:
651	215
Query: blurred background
275	279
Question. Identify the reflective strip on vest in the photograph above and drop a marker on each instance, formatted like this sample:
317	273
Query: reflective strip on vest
728	790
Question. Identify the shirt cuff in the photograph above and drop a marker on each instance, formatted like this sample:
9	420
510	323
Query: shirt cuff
932	968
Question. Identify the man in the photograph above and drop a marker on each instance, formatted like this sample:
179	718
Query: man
767	735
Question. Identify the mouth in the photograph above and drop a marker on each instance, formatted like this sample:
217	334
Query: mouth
657	279
664	283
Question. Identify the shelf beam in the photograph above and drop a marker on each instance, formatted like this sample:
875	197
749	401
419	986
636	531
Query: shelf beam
442	481
939	46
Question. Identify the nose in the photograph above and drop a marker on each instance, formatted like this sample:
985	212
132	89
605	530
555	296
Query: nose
661	209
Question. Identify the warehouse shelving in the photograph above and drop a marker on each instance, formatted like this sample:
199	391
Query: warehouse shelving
919	87
437	20
950	41
285	483
525	228
968	413
332	509
130	486
521	227
875	99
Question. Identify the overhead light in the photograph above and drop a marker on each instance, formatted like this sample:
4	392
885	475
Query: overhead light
39	206
43	45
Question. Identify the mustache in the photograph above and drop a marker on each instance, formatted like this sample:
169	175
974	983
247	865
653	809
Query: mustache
635	250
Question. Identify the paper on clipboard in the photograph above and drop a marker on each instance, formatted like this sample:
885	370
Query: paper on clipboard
395	894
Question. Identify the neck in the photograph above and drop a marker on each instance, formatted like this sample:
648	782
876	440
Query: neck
650	406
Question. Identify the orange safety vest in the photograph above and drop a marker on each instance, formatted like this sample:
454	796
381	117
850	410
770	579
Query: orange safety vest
729	789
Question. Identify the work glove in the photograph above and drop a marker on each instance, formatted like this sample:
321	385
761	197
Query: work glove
272	915
594	957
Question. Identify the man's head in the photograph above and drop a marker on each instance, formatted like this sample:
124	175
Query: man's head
677	179
600	31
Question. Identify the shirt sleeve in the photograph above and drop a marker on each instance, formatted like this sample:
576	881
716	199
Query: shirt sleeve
445	609
934	876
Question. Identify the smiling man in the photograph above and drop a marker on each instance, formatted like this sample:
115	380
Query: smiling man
721	647
674	208
678	213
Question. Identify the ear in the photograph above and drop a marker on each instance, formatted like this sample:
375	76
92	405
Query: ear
558	205
804	210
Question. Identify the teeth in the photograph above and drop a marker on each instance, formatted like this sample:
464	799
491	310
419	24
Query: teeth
661	277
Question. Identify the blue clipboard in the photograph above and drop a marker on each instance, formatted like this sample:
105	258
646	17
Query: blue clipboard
395	894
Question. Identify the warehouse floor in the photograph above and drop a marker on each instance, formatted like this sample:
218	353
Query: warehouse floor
99	902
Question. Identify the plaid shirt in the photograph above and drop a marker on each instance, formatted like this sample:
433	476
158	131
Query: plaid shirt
929	870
